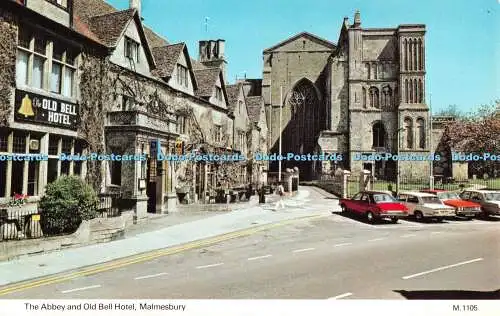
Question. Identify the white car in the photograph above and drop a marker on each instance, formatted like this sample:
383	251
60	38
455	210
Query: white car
425	205
489	200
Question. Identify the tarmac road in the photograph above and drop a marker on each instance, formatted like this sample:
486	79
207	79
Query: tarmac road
330	257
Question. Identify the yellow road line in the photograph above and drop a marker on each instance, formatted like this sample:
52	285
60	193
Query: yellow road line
119	263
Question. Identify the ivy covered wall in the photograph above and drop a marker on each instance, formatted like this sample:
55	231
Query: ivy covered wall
8	43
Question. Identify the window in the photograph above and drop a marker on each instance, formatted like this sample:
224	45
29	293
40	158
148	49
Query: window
116	172
55	79
33	68
181	124
22	68
217	133
374	97
132	49
242	141
387	97
3	143
408	127
365	198
412	199
379	136
421	133
182	75
19	143
218	93
126	103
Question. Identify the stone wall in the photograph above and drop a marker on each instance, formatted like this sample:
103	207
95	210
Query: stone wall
97	230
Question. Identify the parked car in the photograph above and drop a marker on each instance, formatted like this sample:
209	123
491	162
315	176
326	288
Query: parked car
489	200
374	206
462	207
425	205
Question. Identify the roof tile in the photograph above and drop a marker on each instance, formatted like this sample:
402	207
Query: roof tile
206	79
166	58
254	107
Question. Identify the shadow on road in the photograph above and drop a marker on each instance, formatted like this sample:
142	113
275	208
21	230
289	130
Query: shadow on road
489	219
426	220
449	295
362	219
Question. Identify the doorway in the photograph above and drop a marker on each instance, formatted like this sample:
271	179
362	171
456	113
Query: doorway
152	181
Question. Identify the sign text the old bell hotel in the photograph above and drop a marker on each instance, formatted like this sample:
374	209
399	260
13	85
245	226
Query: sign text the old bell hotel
35	108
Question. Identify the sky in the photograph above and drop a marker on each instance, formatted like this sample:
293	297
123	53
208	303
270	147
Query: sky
462	39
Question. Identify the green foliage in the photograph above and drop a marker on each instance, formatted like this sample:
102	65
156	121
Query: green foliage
67	202
8	42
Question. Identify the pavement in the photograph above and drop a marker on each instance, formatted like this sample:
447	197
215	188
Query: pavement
321	257
142	239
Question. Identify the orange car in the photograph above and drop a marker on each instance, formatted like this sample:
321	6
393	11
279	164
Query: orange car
462	207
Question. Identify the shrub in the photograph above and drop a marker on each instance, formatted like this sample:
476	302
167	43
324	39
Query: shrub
67	201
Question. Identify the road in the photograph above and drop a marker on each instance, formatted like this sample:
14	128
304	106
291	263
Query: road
333	257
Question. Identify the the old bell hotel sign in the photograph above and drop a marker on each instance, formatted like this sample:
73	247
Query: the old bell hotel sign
36	108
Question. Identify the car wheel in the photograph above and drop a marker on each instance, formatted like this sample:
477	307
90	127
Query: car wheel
370	217
419	216
394	220
439	219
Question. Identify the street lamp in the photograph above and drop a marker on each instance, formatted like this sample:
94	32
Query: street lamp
281	132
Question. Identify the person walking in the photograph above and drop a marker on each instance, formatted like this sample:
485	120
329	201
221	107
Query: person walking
280	191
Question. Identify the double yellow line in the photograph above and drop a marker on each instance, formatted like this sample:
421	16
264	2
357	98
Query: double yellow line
145	257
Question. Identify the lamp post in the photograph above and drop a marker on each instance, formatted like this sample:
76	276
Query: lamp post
280	132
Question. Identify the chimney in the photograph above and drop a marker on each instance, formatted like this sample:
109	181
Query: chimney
220	48
357	19
135	4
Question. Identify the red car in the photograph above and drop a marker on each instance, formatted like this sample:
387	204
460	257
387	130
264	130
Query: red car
462	207
374	205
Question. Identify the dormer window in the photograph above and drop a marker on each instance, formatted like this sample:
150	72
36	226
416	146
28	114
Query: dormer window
182	76
132	49
218	93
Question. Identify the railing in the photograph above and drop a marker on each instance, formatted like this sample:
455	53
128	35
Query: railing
16	224
109	205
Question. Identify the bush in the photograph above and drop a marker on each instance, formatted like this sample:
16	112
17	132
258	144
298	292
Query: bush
66	203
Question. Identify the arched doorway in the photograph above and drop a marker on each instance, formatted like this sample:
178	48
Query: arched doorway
307	118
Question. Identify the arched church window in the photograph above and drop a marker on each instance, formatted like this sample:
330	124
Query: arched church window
374	97
420	91
367	69
379	135
387	97
364	97
411	91
406	91
304	107
408	128
421	133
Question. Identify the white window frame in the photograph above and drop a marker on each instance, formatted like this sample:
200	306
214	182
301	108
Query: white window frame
48	62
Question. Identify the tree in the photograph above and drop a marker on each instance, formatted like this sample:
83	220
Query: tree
478	132
452	110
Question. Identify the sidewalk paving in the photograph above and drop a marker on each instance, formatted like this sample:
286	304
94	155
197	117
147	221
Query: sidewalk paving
32	267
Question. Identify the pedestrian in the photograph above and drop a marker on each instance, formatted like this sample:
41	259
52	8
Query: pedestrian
280	191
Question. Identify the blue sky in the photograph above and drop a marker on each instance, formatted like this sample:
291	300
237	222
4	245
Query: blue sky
462	41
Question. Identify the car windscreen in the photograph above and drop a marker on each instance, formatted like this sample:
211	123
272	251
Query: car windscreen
431	200
383	198
448	196
492	196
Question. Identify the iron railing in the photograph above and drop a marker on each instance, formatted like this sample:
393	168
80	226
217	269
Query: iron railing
16	224
109	205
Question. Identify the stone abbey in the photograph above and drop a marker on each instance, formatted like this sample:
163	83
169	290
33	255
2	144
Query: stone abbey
360	96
